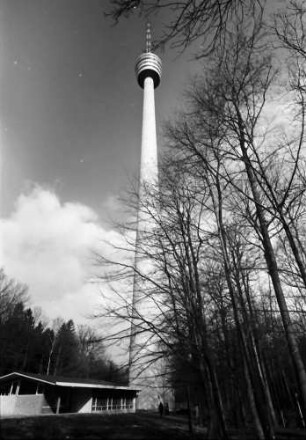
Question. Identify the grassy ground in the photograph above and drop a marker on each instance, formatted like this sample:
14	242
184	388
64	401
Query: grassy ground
94	427
121	427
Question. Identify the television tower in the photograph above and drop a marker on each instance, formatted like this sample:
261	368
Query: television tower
148	71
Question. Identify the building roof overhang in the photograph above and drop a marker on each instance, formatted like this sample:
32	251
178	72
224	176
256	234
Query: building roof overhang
67	382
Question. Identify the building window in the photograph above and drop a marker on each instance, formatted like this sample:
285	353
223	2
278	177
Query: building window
100	404
117	403
129	403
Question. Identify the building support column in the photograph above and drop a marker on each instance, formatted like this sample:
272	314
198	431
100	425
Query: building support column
58	405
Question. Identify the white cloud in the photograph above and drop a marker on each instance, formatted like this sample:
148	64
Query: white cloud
48	245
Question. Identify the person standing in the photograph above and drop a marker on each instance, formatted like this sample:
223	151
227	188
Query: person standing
161	408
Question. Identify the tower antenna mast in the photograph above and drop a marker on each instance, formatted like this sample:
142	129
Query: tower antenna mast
148	38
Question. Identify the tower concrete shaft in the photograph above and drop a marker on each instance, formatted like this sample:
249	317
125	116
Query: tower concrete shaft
148	71
149	160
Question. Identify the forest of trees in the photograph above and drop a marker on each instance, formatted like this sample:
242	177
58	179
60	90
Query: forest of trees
28	344
225	254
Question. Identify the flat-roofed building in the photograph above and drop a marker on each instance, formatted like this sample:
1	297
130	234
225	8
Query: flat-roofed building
33	394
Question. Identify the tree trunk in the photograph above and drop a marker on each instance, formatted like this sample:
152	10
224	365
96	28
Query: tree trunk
251	389
217	426
274	274
256	419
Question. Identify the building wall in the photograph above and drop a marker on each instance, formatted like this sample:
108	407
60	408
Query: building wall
81	401
26	405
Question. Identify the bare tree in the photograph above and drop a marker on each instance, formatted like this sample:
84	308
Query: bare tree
247	188
189	20
230	102
11	293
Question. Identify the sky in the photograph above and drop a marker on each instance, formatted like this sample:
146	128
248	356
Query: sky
70	120
70	133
